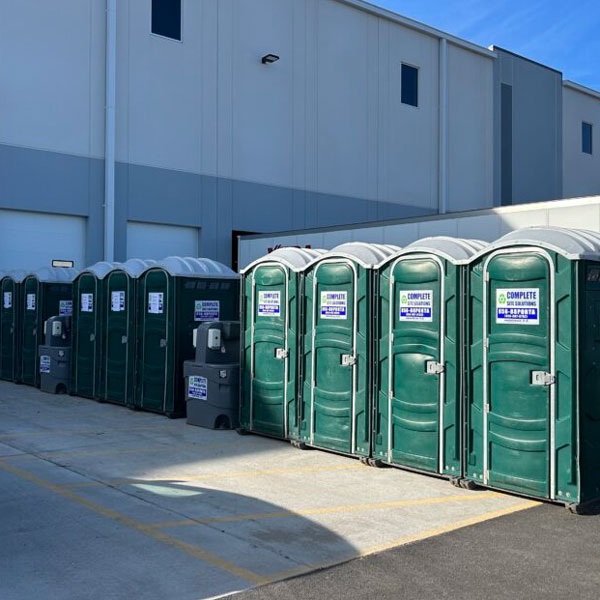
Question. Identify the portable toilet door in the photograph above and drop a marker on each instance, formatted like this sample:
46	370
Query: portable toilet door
419	340
46	293
271	301
118	332
337	354
174	297
9	325
86	331
533	354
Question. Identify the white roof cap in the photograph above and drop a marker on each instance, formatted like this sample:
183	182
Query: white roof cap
178	266
16	275
134	267
54	274
365	254
101	269
295	259
573	244
457	250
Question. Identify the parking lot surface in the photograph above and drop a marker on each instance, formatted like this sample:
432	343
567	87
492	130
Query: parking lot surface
99	501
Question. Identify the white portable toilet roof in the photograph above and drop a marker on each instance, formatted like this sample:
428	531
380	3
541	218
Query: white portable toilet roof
54	275
365	254
296	259
101	269
573	244
178	266
134	267
458	251
17	275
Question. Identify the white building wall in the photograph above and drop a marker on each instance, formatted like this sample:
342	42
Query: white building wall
581	171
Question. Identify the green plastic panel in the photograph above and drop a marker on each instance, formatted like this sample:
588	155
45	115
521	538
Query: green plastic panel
9	328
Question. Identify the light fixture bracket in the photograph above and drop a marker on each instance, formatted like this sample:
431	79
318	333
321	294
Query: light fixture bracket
269	59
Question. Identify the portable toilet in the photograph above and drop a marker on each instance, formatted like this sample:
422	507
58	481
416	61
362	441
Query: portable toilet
533	408
86	332
45	293
174	297
271	303
10	323
118	331
335	412
420	329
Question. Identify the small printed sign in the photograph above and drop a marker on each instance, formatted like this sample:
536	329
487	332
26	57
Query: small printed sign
334	305
30	301
198	388
416	305
207	310
87	302
117	301
44	364
7	300
63	264
518	306
65	308
269	304
156	303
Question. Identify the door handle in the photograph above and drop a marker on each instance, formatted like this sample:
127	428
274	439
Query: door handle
434	368
348	360
541	378
163	343
123	339
92	337
281	353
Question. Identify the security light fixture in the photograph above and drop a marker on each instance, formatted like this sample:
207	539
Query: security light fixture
269	59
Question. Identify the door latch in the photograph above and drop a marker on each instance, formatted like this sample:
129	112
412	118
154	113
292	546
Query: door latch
163	343
281	353
542	378
348	360
92	337
123	339
434	368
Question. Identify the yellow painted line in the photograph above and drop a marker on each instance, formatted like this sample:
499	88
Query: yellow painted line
167	448
148	530
5	436
408	540
227	475
331	510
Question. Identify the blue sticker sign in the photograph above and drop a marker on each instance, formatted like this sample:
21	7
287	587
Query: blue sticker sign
44	364
117	301
518	306
65	308
416	305
207	310
269	303
156	303
334	305
198	388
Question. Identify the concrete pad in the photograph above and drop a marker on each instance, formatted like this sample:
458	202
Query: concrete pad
206	512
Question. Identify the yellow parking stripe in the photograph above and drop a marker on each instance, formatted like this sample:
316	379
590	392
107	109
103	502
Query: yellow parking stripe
150	531
330	510
227	475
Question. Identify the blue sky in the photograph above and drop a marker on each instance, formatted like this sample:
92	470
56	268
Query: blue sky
562	35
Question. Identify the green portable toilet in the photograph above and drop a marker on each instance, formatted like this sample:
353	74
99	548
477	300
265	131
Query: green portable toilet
337	359
174	297
118	331
533	398
10	325
86	330
419	346
45	293
271	302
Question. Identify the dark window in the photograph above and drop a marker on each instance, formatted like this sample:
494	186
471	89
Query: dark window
166	18
586	138
506	144
410	85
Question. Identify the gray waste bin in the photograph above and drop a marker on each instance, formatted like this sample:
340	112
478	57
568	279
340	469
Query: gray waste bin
212	379
55	356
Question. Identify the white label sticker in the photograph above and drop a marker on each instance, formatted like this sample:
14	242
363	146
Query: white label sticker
334	305
156	304
518	306
30	301
117	301
198	388
207	310
87	302
7	299
65	308
416	305
269	304
44	364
